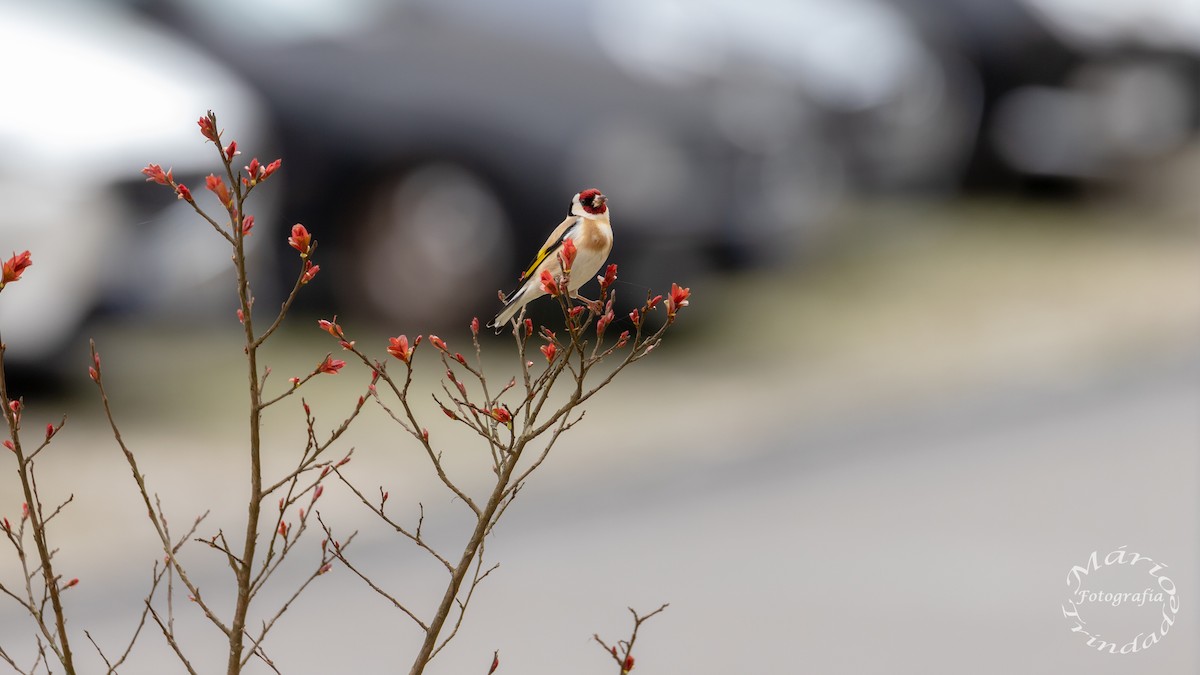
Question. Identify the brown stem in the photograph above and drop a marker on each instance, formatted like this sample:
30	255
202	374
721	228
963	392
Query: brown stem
38	527
254	504
482	526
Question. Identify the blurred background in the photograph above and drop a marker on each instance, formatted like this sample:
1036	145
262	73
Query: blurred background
945	264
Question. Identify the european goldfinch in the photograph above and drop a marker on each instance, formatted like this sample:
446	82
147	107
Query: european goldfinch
587	226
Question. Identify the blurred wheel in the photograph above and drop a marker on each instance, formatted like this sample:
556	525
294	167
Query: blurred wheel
429	245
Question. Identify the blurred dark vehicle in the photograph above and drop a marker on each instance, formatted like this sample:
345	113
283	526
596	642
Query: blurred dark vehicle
431	145
1074	93
93	95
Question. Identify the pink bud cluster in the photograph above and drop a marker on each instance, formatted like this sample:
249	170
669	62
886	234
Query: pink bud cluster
677	300
399	348
330	365
14	267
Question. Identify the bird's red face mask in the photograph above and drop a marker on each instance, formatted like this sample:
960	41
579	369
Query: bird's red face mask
593	202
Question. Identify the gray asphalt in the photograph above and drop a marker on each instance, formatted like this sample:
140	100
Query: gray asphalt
927	539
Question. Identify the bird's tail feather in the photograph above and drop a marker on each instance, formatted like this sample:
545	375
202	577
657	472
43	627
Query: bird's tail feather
511	307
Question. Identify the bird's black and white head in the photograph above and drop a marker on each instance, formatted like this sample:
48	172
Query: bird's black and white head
590	204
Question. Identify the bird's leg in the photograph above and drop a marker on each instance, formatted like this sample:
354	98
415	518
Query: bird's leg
593	305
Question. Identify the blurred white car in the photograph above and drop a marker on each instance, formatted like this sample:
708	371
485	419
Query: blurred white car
91	96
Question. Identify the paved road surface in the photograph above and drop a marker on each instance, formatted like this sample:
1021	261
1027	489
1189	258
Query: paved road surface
931	540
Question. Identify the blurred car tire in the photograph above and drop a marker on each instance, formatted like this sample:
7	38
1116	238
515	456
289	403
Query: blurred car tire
427	239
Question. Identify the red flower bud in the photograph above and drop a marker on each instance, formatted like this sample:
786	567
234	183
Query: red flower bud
610	275
550	351
283	529
568	254
92	373
7	525
398	347
549	285
252	169
635	317
576	311
449	413
330	365
331	327
475	326
460	358
425	435
217	187
24	511
602	322
622	339
654	301
14	267
295	381
324	568
49	431
528	326
628	665
310	271
269	169
247	225
383	498
502	416
678	299
208	129
73	582
495	663
317	492
184	193
231	150
155	174
300	240
241	316
438	342
9	444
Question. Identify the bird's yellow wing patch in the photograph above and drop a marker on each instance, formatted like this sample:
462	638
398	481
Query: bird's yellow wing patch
552	245
538	259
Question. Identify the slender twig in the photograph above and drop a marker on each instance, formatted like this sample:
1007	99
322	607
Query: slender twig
415	536
624	658
155	519
58	640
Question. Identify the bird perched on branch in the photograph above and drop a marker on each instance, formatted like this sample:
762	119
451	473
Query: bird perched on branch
587	227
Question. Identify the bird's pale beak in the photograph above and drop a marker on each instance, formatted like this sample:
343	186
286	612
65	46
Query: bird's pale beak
600	200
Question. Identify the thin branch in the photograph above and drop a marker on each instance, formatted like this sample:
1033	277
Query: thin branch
339	553
155	520
625	658
170	637
415	537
